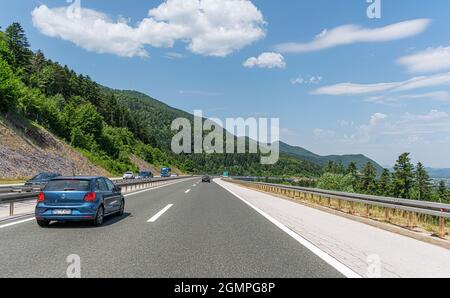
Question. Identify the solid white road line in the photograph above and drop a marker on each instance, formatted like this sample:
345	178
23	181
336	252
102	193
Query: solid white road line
160	213
187	191
346	271
16	222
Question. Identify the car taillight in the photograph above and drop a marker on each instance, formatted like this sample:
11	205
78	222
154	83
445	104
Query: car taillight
90	197
41	197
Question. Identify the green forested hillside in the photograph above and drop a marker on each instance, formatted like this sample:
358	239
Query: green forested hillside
108	125
359	159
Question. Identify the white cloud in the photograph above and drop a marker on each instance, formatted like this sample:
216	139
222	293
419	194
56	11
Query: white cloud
266	60
377	118
355	89
430	60
404	129
209	27
433	115
392	99
365	133
300	80
173	55
350	34
411	84
345	123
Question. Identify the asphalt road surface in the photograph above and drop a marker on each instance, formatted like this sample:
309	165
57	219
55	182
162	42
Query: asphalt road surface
179	231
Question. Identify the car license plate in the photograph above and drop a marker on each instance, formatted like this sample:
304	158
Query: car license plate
62	212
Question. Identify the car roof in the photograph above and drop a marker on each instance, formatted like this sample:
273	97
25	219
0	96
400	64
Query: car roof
48	173
78	177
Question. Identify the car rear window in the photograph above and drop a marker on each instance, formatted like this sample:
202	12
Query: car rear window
41	176
68	185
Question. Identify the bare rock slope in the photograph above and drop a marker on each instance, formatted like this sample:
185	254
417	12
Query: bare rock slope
26	149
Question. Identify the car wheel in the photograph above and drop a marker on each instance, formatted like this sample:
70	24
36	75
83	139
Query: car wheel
99	218
122	208
43	223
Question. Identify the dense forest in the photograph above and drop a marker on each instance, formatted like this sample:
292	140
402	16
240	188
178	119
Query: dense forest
108	125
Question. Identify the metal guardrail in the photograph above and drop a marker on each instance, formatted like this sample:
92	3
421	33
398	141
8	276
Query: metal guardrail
127	186
442	211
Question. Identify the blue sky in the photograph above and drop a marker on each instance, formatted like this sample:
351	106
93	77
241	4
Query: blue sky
379	87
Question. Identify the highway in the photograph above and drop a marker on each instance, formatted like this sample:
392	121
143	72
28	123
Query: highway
183	230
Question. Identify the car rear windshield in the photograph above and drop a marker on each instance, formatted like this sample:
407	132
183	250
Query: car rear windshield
68	185
41	176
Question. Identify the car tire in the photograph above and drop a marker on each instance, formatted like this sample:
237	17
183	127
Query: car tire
43	223
99	217
122	208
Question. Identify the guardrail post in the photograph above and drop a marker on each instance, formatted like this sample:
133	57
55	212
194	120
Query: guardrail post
387	216
11	209
352	207
442	231
368	211
410	220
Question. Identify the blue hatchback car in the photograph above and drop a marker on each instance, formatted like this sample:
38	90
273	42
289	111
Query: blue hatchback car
79	199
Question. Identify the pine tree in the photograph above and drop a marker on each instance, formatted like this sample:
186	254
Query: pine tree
368	180
422	183
385	184
331	167
38	63
403	177
19	45
352	169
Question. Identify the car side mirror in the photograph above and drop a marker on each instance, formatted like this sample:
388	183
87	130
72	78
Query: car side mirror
117	189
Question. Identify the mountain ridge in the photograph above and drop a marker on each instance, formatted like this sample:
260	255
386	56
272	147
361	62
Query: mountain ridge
360	159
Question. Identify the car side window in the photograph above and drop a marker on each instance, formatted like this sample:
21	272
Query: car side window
109	184
101	185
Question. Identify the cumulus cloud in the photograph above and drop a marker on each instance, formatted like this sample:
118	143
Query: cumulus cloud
430	60
350	34
377	118
209	27
266	60
411	84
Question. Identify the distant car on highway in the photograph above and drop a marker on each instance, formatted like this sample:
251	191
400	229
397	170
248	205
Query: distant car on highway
41	179
175	175
145	175
128	175
79	199
166	172
206	178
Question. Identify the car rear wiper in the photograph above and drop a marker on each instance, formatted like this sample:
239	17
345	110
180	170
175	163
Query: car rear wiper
69	189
